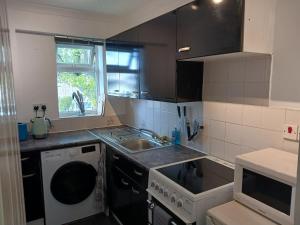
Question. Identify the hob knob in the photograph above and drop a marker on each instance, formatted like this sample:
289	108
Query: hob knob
157	187
166	193
173	198
152	184
179	203
161	190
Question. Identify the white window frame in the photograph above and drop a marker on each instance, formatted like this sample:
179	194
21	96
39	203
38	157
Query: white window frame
94	67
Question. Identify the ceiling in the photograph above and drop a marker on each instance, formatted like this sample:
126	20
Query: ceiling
106	7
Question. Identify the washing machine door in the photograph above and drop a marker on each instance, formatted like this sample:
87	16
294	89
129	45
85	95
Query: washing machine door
73	182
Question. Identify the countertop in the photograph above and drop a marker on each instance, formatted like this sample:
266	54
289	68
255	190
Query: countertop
156	157
146	159
59	140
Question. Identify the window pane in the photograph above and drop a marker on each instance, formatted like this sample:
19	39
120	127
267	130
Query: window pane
75	55
112	58
69	83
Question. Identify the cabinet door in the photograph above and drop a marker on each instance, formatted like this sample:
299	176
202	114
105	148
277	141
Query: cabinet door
127	200
120	195
122	59
209	27
32	185
158	58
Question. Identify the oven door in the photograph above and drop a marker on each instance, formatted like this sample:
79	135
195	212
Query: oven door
156	206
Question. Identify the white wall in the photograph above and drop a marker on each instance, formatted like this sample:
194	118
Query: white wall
285	89
34	62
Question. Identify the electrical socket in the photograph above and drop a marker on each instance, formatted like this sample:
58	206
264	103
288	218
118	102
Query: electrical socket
40	107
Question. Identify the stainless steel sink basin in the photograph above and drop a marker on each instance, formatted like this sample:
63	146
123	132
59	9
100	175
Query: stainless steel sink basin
140	144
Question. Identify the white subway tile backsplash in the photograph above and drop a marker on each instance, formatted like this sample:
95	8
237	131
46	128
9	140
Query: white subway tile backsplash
236	71
236	93
215	110
255	69
234	113
233	133
231	151
257	93
217	129
273	119
252	116
217	148
291	146
292	117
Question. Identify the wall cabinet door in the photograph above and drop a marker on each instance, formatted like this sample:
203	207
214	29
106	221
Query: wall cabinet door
123	64
208	27
158	58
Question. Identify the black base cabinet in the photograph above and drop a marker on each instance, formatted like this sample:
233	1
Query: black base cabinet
32	184
127	196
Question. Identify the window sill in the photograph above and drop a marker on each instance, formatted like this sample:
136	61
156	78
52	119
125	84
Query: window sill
78	116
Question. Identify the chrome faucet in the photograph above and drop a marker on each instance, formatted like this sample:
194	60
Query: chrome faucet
155	136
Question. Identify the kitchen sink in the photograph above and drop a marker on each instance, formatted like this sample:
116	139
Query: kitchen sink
140	144
133	140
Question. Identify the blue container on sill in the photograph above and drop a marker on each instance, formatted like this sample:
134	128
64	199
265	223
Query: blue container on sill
23	133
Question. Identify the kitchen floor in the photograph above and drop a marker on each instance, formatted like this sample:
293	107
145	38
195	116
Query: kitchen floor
99	219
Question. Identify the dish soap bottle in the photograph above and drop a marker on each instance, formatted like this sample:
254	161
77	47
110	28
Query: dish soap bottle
176	137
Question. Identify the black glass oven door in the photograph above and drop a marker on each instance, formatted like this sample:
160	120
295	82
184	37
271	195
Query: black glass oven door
175	219
73	182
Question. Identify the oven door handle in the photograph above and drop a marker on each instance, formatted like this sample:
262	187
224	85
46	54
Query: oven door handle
151	205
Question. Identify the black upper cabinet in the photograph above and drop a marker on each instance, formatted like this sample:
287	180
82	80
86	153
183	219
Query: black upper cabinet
123	64
158	58
206	28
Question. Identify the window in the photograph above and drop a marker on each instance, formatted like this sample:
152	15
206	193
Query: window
79	79
122	65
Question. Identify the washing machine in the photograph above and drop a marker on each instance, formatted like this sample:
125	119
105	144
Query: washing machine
69	183
234	213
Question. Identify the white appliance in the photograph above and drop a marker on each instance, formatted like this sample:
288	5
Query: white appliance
265	181
69	180
186	190
234	213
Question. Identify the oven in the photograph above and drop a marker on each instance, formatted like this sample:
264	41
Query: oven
161	215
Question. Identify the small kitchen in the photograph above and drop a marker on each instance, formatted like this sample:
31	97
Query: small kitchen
155	112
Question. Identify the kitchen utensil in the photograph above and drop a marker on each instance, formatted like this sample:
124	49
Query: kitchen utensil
187	123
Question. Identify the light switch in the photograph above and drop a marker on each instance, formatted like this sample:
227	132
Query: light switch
290	132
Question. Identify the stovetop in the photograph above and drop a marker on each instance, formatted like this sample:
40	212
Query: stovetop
199	175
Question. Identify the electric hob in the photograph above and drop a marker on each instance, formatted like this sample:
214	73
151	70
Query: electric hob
189	188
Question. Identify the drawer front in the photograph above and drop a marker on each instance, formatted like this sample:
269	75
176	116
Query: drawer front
134	171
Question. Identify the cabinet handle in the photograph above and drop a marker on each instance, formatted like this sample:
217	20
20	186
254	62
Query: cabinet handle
25	159
116	157
184	49
173	223
135	191
124	182
135	92
138	173
29	175
144	92
116	90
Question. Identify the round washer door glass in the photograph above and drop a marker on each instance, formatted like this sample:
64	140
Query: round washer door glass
73	182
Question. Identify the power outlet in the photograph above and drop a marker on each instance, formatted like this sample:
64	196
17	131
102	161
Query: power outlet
40	111
290	132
